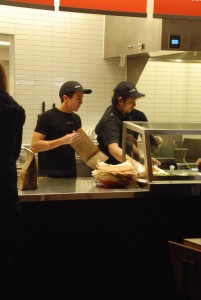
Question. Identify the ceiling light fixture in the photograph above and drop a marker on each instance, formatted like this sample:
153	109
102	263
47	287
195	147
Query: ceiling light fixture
3	43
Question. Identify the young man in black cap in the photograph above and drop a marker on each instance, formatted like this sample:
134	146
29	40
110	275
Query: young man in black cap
109	130
56	130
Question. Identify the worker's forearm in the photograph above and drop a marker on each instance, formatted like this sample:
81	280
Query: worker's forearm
44	145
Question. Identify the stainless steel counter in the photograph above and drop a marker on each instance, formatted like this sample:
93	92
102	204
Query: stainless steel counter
88	237
79	188
83	188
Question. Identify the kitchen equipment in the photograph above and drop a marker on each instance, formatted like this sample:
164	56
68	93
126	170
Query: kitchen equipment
152	36
194	146
180	154
143	39
179	130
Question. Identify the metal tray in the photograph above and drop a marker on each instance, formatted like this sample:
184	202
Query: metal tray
179	175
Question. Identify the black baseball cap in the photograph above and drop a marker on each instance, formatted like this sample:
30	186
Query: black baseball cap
127	89
72	86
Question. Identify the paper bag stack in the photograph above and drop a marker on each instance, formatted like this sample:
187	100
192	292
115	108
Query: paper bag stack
27	178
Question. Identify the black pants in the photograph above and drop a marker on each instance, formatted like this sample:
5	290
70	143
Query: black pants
9	230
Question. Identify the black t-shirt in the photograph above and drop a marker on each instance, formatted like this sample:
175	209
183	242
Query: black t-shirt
58	162
109	130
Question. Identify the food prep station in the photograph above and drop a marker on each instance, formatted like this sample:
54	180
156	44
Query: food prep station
180	148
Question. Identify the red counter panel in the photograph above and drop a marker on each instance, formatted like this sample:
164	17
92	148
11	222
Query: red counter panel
115	7
41	4
177	8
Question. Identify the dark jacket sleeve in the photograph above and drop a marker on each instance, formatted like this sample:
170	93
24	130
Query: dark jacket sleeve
18	145
12	118
21	119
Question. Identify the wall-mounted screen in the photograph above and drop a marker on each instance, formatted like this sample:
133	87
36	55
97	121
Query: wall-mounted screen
174	41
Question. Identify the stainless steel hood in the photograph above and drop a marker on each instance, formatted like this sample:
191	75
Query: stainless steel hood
179	56
163	38
180	41
138	40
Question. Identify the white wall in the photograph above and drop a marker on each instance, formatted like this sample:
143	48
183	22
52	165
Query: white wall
173	92
54	47
51	48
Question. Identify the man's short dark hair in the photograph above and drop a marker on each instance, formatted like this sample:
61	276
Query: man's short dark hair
69	95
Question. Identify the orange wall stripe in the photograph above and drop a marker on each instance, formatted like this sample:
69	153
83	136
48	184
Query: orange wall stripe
29	2
136	6
177	7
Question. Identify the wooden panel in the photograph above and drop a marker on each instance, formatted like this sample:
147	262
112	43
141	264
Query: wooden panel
186	266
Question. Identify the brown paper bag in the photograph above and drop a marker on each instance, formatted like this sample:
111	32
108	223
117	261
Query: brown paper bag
27	178
89	152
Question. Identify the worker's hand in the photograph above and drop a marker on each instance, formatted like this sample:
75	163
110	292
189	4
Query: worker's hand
71	137
158	140
155	161
198	164
139	168
131	140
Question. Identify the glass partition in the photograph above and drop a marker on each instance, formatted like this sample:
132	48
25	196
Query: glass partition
176	146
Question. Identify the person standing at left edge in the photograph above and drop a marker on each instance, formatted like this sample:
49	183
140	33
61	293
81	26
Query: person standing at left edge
12	118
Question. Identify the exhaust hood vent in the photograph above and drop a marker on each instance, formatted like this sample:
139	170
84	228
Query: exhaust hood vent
180	56
180	41
153	37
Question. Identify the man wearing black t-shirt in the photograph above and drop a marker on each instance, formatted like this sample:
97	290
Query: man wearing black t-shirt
109	129
56	130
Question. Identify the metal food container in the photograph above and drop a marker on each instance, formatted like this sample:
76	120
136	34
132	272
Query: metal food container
180	154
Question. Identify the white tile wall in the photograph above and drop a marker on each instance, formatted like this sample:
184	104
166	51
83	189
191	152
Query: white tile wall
54	47
173	92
